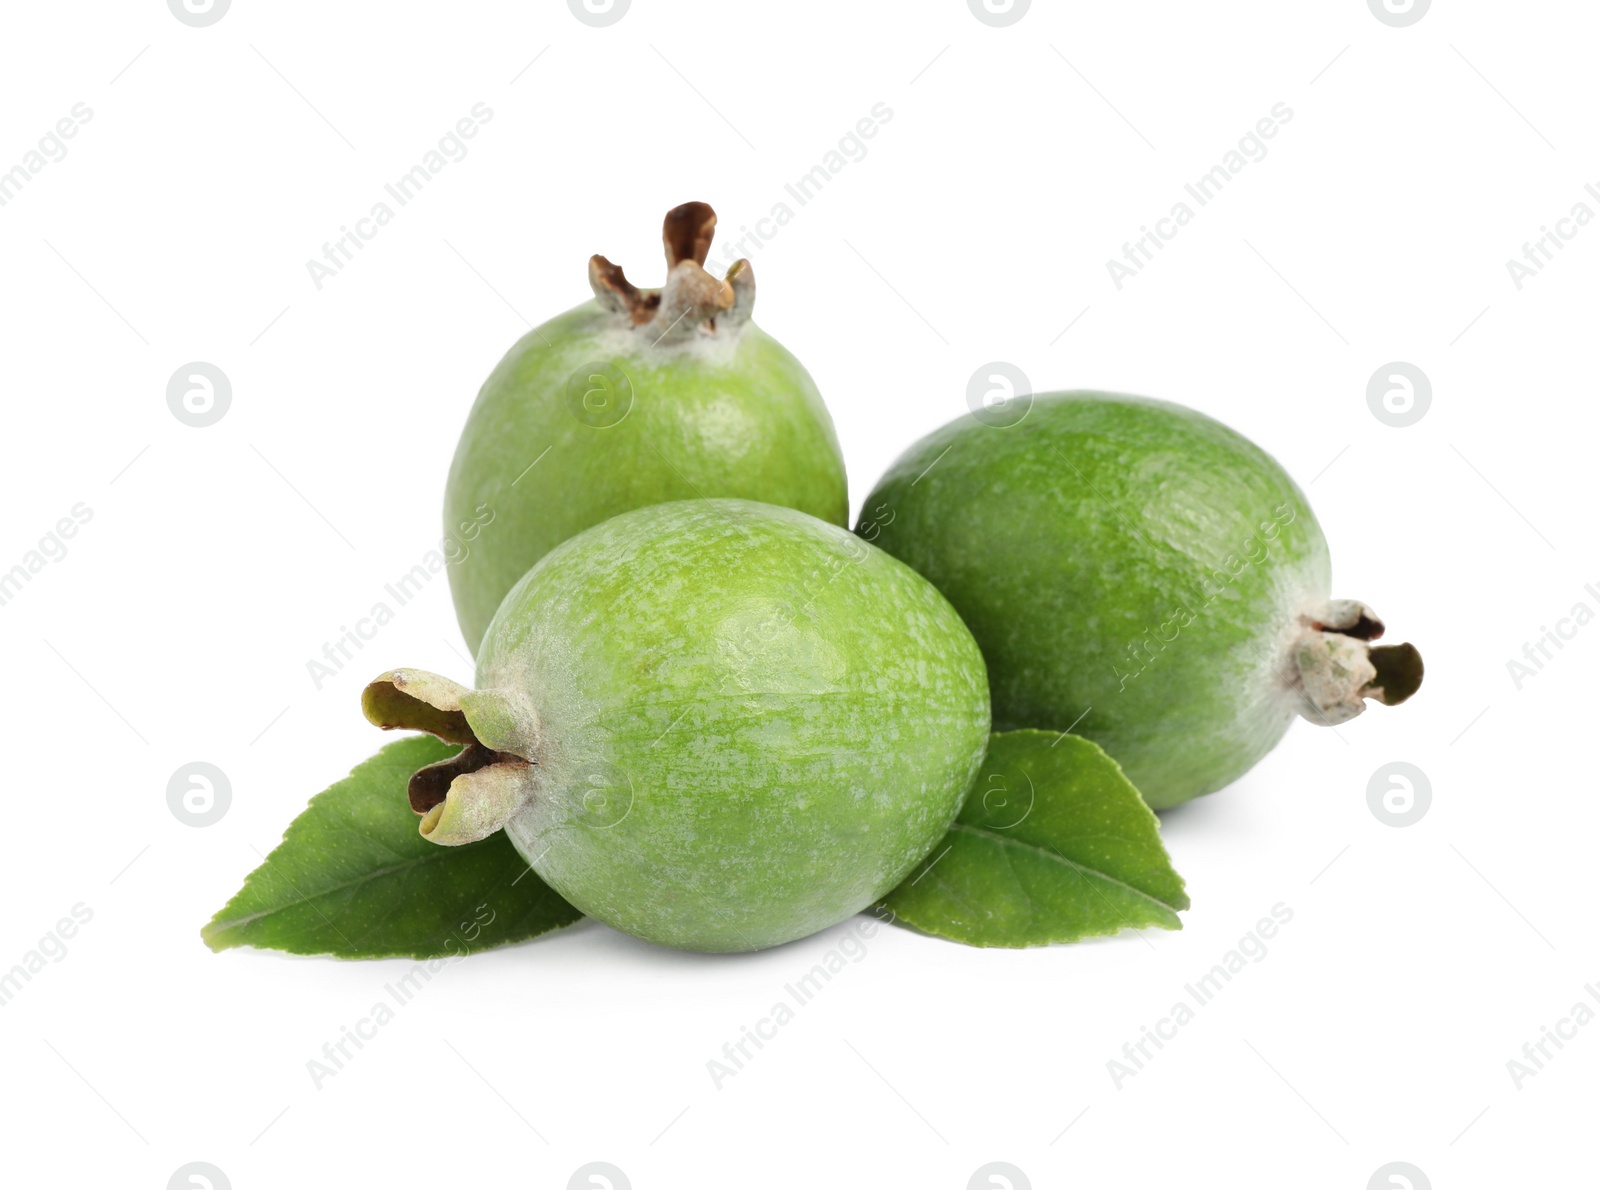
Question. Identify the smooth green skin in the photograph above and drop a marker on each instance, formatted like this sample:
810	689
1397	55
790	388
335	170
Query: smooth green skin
1127	561
727	415
755	725
353	878
1052	845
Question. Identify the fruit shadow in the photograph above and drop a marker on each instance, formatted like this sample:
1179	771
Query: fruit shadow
594	939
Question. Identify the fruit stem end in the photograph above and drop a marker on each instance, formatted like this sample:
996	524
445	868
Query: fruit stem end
468	796
1335	667
692	302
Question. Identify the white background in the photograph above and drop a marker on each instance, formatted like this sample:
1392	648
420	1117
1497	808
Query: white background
219	560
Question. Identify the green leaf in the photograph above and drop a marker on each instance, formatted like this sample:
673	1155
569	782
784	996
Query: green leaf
354	878
1053	844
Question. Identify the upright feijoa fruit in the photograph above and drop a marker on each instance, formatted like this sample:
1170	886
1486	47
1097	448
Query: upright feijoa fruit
636	397
713	724
1141	574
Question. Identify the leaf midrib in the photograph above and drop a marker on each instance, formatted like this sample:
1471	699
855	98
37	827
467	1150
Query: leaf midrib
306	899
1052	854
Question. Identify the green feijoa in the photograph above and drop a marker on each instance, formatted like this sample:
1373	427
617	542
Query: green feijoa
1139	573
636	397
713	724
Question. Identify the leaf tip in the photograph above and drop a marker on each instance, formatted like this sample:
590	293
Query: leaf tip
214	934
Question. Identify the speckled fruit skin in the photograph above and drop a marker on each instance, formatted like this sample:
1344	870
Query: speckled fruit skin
727	415
1127	565
755	725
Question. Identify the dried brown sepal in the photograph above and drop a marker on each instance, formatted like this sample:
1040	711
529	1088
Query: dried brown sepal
618	294
687	231
692	302
1336	669
1399	673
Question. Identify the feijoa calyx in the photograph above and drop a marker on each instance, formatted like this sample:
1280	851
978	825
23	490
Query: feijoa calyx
637	397
1142	574
713	724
